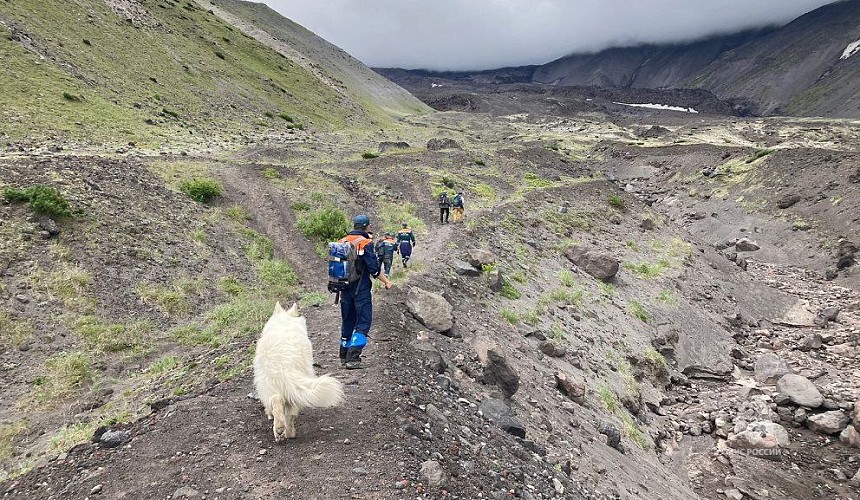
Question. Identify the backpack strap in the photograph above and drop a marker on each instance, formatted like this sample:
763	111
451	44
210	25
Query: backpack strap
356	239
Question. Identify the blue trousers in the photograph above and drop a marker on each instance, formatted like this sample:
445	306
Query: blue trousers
356	310
386	263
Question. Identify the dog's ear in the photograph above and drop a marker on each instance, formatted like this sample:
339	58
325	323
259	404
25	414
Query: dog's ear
278	308
294	311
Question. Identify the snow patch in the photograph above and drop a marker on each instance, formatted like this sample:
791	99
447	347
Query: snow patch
852	49
664	107
434	85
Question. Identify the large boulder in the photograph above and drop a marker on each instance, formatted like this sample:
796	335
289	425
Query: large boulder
850	437
431	309
479	258
769	368
437	144
745	245
392	146
499	413
500	373
788	200
601	266
761	439
464	268
800	391
829	422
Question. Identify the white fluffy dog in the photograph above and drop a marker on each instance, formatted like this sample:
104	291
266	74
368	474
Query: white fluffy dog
284	373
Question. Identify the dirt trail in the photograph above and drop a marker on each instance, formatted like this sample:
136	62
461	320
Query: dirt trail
220	444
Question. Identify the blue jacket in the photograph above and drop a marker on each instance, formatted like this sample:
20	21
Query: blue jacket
385	249
371	265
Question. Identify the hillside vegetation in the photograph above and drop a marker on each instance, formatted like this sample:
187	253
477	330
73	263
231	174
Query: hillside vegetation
154	71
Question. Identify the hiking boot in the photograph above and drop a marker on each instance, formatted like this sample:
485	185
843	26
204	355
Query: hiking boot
352	359
343	355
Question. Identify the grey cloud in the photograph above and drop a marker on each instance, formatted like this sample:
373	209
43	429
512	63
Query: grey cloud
484	34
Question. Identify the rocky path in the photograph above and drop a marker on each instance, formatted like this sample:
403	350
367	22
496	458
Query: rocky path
218	444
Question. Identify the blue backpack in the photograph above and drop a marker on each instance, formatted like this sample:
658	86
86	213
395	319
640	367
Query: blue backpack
344	266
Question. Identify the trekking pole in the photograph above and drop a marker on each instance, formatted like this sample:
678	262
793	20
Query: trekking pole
337	297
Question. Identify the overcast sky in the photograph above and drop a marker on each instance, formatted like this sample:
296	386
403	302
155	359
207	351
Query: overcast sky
485	34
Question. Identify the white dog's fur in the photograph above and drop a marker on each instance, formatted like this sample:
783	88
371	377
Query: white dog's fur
284	373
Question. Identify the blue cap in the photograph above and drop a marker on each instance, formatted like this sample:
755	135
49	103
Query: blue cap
361	221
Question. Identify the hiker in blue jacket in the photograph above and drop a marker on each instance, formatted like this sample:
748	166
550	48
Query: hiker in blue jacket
356	305
405	243
385	250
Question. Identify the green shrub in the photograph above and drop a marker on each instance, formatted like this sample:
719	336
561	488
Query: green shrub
112	337
324	224
616	201
202	190
231	286
301	206
268	114
511	316
368	155
448	182
480	163
237	213
509	291
533	181
43	200
72	97
607	397
271	173
170	113
286	117
567	279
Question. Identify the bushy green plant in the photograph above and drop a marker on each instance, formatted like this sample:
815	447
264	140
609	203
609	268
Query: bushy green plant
638	310
324	224
43	200
202	190
509	291
369	155
616	201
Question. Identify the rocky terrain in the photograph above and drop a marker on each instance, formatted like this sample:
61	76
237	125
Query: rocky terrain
641	303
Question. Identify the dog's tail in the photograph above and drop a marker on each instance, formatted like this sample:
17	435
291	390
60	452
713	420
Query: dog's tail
315	392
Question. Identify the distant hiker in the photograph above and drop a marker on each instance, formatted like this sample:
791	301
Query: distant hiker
444	208
356	306
385	250
405	243
459	207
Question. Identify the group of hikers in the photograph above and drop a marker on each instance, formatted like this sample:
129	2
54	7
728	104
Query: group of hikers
354	261
446	205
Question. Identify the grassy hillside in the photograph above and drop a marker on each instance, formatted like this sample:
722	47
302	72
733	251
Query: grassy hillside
370	90
79	69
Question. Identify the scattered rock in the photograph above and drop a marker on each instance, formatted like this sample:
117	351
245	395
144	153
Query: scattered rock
850	437
464	268
48	224
811	342
552	349
648	224
499	413
112	439
437	144
479	258
430	356
601	266
788	201
829	422
97	489
433	474
392	146
769	368
613	435
575	390
800	391
745	245
733	494
431	309
500	373
495	280
761	439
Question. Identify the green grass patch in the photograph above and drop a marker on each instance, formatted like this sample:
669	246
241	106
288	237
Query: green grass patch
519	277
393	214
567	278
630	429
637	310
163	365
231	286
510	316
667	297
237	213
271	173
113	337
201	189
532	181
66	373
277	276
172	301
480	163
485	193
606	289
9	432
259	247
13	331
509	291
655	363
71	435
369	155
313	299
43	200
646	269
761	153
608	399
301	206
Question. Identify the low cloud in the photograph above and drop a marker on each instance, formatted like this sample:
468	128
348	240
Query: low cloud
485	34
